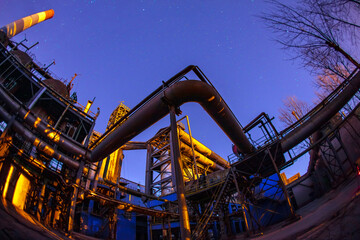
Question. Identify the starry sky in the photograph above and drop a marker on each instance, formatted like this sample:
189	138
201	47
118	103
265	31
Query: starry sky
123	50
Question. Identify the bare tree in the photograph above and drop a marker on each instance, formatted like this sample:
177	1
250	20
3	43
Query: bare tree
328	81
342	11
293	110
307	30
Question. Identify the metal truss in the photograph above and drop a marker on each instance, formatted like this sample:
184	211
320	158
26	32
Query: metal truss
336	158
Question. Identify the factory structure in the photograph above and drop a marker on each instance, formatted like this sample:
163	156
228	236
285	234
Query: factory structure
55	168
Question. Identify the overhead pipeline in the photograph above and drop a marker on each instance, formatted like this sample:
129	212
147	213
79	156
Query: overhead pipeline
154	110
158	107
322	116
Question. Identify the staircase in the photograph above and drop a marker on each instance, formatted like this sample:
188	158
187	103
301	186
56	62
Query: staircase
213	208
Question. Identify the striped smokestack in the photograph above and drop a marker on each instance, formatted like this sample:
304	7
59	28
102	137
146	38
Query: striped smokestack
20	25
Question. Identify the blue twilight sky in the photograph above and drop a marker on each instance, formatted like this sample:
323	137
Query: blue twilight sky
124	49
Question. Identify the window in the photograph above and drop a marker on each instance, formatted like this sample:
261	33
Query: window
55	165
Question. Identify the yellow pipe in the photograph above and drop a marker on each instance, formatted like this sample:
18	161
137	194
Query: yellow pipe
201	148
20	25
186	150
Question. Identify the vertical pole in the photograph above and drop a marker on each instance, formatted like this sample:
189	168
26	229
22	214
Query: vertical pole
192	147
148	173
282	184
5	170
180	188
96	177
74	197
164	231
150	219
169	228
5	139
41	200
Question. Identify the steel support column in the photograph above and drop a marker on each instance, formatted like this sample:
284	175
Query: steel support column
180	189
242	202
282	185
149	173
41	202
150	219
96	177
4	151
169	228
74	197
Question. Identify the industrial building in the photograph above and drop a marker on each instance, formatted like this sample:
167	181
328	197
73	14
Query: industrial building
66	177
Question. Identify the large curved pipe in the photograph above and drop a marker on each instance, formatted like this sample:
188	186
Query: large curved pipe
201	148
20	25
158	107
318	119
39	144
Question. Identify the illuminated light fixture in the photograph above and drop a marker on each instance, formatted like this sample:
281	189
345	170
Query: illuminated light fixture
7	181
20	193
88	105
358	170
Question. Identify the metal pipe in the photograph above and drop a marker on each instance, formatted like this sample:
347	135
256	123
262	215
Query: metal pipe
39	144
157	108
20	25
134	145
43	128
153	111
196	175
201	148
169	82
322	116
186	150
137	193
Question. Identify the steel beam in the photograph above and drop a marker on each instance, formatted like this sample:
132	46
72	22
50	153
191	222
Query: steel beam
179	179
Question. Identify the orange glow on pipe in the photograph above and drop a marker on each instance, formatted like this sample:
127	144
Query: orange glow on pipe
20	25
8	181
21	189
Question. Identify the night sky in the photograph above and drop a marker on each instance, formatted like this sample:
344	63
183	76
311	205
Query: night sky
123	50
